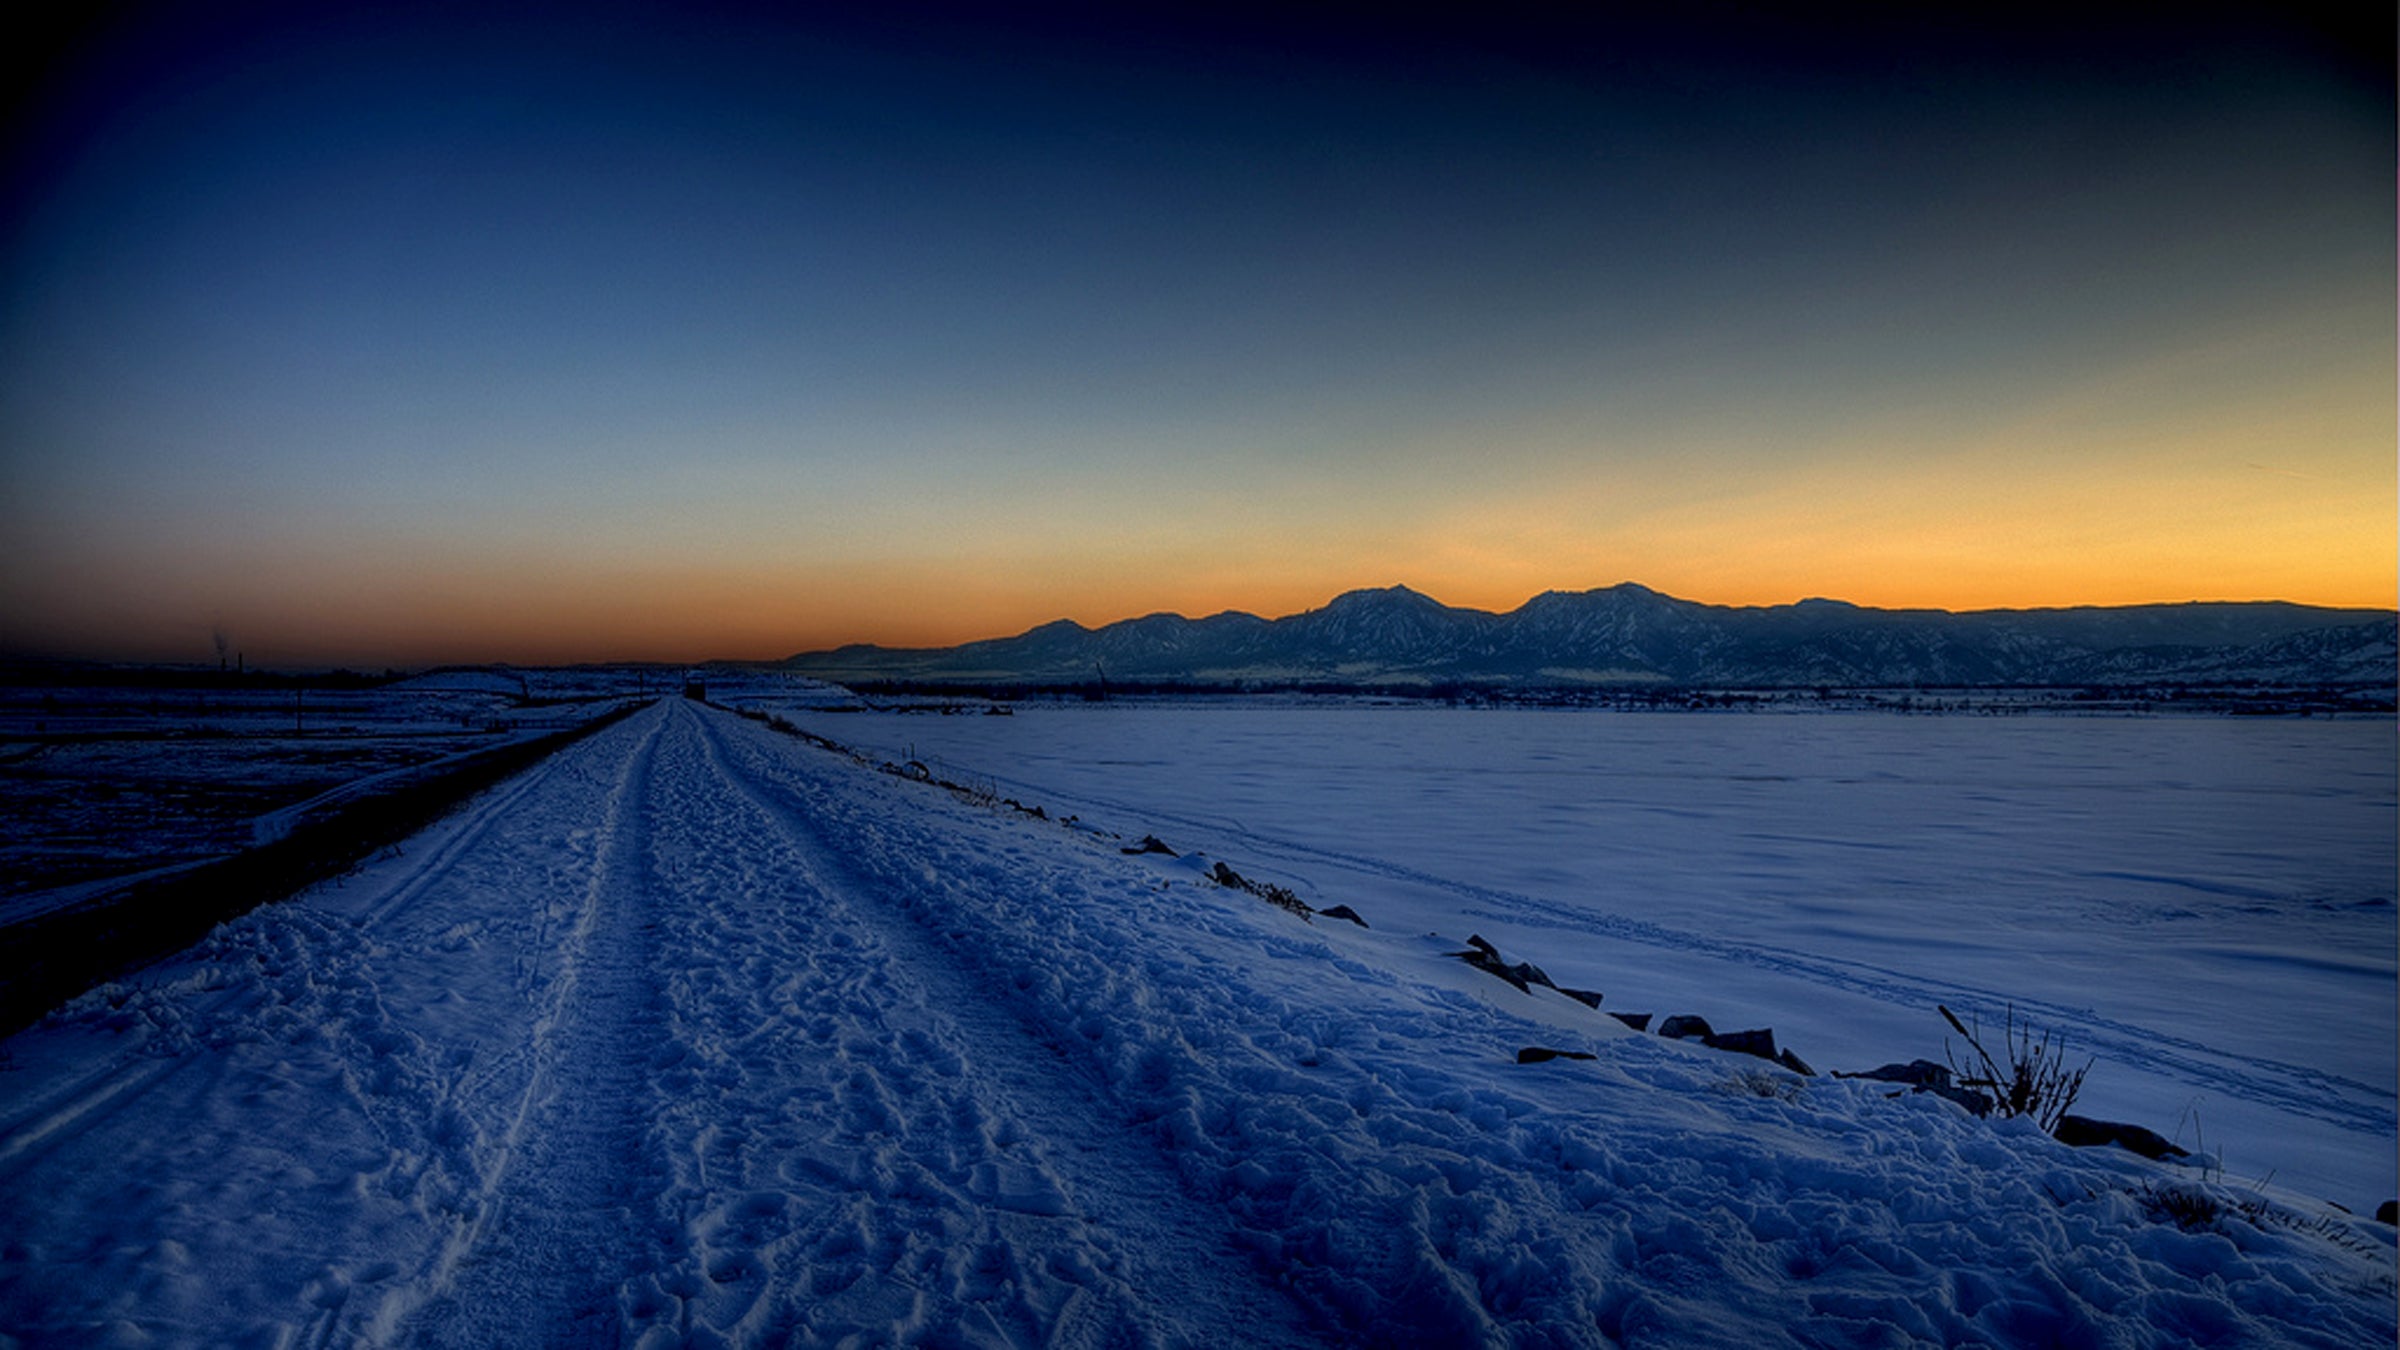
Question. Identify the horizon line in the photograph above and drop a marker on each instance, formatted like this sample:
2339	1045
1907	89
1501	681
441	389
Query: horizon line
369	666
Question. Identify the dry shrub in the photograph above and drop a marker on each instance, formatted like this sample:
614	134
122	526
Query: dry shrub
2035	1081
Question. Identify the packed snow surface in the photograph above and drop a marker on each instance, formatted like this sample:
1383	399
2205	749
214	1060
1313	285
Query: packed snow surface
700	1035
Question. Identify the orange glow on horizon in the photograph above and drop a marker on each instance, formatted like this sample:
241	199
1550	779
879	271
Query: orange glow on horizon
679	635
692	619
2285	502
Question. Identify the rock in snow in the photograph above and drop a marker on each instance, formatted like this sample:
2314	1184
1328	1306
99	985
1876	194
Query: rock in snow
1922	1073
1485	957
1759	1044
698	1035
1685	1026
2084	1132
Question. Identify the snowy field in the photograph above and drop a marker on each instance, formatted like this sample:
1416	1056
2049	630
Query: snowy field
699	1035
2205	905
101	783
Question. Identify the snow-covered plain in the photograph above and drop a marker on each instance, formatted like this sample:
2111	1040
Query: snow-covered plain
700	1035
100	784
2204	904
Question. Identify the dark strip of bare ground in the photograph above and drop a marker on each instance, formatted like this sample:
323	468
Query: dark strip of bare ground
48	959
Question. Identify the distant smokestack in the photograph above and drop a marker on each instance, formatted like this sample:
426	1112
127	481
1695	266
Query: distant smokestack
217	635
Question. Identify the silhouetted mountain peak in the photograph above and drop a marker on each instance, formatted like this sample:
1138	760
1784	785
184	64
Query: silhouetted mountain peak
1630	633
1382	597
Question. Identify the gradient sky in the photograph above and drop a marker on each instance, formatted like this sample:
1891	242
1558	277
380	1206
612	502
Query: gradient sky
474	332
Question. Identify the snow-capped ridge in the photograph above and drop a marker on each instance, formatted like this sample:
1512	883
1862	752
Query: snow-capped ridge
1396	633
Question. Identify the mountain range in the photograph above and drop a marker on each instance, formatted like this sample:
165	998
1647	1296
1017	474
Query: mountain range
1630	635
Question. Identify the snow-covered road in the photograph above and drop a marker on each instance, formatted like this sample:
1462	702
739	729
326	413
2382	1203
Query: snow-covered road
700	1035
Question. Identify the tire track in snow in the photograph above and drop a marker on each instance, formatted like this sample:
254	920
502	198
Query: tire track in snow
947	1107
360	1011
115	1085
560	1182
488	811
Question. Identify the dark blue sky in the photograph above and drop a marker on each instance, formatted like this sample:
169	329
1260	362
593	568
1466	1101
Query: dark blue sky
427	332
